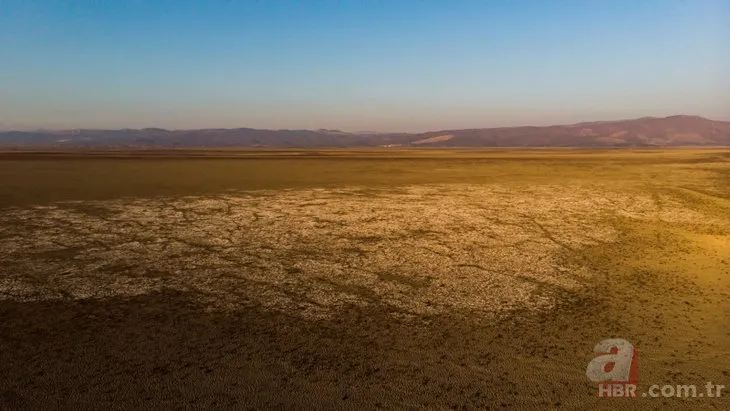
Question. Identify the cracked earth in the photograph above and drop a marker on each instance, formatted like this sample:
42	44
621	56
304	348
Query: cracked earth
419	250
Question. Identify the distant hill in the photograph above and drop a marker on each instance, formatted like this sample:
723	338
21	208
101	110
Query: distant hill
643	132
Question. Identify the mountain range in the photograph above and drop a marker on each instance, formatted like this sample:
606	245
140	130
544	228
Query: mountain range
680	130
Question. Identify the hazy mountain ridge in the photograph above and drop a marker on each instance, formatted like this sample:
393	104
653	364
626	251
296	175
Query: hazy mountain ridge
648	131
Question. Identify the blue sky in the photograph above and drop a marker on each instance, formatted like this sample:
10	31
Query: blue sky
359	65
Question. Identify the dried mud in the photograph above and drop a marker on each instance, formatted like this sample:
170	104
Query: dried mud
419	296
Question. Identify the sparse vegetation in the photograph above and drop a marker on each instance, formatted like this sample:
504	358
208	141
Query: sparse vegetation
474	272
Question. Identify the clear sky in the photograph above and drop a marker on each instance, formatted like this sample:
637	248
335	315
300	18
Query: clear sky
359	65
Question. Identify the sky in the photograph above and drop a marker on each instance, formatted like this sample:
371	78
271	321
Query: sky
359	65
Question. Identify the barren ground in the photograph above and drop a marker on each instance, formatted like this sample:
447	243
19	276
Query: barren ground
420	279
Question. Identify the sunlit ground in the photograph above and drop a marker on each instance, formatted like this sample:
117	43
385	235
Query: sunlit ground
404	279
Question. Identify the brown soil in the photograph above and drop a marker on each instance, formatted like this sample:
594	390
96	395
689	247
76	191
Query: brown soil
461	296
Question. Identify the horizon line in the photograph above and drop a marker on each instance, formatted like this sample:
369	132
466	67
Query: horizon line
323	129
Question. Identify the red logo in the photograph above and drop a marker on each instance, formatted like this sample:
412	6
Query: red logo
615	369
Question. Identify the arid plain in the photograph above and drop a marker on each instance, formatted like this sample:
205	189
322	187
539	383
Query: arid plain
402	279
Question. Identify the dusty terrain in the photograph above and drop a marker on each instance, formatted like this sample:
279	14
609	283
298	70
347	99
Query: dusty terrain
361	280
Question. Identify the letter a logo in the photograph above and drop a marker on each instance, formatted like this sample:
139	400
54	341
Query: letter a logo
616	362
